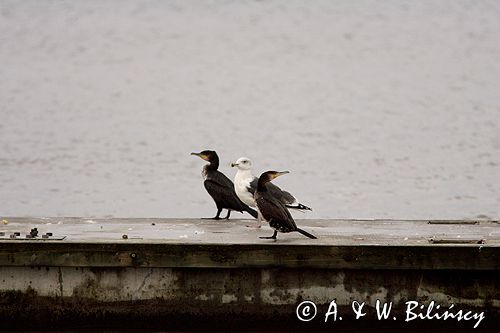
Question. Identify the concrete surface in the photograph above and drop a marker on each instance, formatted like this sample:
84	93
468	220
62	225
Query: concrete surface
234	231
193	274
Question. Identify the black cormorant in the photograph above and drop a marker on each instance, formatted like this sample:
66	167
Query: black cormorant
245	184
221	188
272	209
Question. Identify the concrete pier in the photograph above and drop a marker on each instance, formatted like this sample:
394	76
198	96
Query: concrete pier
191	274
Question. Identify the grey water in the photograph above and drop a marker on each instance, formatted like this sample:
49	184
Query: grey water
378	109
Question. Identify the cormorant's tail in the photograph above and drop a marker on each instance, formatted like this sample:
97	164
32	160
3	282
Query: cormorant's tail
305	233
299	206
251	211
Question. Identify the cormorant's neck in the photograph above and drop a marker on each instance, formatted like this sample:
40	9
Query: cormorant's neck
261	185
213	165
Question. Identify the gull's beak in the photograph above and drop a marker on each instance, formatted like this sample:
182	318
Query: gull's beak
234	164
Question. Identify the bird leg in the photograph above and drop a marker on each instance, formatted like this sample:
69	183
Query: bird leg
219	210
270	237
228	213
258	224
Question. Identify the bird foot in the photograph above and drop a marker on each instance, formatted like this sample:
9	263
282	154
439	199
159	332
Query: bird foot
211	218
269	237
255	226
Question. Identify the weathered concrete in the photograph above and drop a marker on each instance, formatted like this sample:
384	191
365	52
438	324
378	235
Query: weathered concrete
222	274
196	231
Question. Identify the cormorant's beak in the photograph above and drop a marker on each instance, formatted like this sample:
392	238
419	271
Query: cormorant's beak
234	164
200	155
280	173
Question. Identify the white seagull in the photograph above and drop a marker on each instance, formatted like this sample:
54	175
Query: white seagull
245	184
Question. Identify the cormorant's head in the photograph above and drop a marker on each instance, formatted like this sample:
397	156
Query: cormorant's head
243	163
270	175
207	155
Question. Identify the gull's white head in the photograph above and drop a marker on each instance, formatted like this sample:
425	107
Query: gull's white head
243	163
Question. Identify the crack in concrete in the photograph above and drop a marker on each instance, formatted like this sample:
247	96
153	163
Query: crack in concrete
60	279
144	280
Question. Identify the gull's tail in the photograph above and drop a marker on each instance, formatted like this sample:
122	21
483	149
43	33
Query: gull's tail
299	206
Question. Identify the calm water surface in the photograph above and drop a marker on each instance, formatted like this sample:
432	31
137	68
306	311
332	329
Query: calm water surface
378	109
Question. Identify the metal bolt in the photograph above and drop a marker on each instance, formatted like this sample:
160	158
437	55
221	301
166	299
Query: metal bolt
125	236
133	255
34	232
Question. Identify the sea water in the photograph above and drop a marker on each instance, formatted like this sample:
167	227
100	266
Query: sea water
378	109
